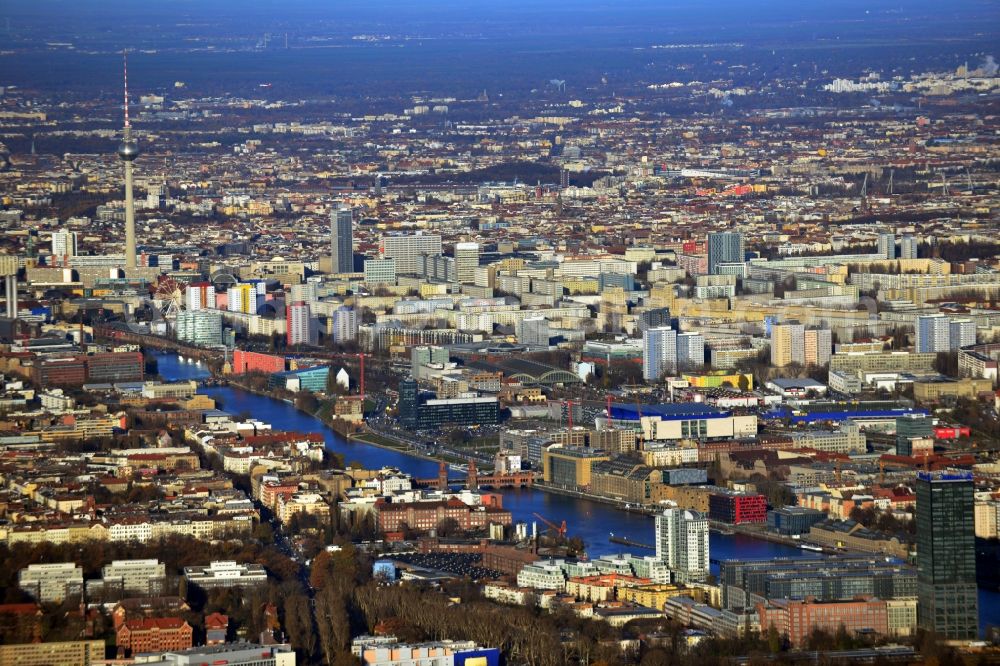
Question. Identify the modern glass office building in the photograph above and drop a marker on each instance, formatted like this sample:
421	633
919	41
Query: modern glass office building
946	555
724	247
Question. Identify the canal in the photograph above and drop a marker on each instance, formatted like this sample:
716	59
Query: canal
593	522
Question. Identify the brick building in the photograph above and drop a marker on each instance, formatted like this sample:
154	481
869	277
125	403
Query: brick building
154	634
424	516
797	619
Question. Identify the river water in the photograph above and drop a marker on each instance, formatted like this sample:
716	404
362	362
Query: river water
592	521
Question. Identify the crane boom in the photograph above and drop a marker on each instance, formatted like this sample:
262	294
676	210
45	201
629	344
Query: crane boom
559	529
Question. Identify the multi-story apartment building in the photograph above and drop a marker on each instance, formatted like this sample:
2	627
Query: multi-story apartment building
51	583
199	296
407	250
380	271
659	353
682	543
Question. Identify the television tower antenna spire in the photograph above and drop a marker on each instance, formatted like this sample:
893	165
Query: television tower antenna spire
125	76
127	152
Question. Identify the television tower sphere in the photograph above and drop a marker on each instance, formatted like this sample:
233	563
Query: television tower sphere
128	150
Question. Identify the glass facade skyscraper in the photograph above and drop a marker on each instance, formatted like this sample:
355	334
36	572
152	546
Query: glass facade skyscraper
724	247
342	241
946	555
409	403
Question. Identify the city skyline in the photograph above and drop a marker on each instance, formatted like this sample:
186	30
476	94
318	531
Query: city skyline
499	333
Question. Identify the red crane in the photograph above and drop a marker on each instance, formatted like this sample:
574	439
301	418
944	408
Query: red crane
568	404
362	357
558	529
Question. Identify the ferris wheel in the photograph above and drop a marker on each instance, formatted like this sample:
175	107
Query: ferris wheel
169	291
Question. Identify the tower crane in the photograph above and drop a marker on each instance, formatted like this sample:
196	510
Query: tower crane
559	529
568	404
361	358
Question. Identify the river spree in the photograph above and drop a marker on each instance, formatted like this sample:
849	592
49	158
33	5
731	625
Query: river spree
593	522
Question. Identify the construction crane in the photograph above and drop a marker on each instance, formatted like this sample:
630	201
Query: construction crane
864	193
568	405
638	407
558	529
892	172
361	356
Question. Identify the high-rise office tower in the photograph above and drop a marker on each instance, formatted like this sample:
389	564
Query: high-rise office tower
682	542
200	327
466	262
659	353
908	247
409	396
690	351
342	240
406	250
887	245
64	243
128	151
947	601
787	344
724	247
297	320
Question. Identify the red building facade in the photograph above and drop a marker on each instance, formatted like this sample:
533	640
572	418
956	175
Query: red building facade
245	361
737	508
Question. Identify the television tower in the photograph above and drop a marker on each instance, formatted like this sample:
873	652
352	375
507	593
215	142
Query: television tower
128	151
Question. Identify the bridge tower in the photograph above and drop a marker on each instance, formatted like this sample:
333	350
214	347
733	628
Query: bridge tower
473	475
443	476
